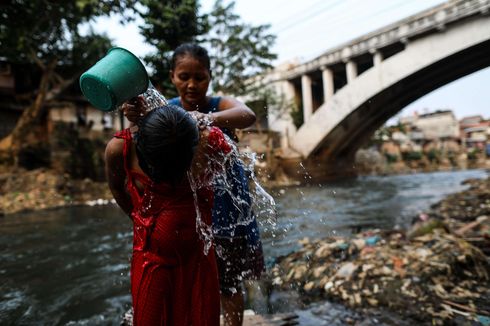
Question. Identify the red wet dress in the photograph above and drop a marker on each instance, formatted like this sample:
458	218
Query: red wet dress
173	280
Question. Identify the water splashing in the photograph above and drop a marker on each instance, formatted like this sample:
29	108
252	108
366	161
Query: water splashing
205	231
234	180
154	98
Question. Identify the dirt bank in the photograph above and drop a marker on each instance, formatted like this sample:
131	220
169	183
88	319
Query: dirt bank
22	190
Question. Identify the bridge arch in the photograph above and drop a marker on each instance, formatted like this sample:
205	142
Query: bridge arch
332	132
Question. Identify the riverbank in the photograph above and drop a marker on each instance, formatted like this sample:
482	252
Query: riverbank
25	190
436	272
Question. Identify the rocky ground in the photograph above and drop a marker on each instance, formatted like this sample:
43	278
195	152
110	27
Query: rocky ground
436	273
22	190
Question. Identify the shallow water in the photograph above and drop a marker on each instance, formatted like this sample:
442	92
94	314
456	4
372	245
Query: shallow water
352	205
71	266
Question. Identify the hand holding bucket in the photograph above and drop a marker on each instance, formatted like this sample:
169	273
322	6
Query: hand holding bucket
114	79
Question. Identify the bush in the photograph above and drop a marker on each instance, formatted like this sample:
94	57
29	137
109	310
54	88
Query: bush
35	156
297	116
412	156
473	154
391	158
452	158
434	155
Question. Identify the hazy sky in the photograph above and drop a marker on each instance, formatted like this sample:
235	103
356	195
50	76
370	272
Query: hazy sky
307	28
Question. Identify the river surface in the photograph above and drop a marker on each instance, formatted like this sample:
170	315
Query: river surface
70	266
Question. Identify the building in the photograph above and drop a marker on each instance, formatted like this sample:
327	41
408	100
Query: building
475	132
18	85
441	125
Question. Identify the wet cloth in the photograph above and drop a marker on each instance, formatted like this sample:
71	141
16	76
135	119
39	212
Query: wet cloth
235	228
173	281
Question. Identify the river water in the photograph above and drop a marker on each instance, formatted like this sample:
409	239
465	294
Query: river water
70	266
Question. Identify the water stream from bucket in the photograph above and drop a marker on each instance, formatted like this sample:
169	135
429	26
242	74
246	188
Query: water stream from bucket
154	98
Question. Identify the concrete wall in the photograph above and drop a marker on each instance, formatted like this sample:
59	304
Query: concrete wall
68	114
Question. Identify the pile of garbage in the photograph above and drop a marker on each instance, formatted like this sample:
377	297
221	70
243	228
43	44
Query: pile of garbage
436	272
467	213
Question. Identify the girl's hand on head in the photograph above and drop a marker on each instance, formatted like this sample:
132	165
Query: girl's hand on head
134	109
203	120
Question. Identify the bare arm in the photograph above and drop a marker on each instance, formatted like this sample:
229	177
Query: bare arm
232	114
200	162
209	156
116	176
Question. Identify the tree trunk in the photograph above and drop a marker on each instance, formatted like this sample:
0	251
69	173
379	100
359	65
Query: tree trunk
31	127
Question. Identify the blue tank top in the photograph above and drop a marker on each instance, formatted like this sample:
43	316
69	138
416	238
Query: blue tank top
212	107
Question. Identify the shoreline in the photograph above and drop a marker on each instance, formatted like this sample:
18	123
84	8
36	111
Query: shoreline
30	190
436	272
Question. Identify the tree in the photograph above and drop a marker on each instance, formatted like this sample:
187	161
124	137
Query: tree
239	51
167	24
45	35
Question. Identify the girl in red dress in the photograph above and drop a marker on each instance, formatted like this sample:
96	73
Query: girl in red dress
174	277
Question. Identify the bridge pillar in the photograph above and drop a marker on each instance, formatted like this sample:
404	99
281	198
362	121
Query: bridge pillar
351	70
307	96
328	86
377	58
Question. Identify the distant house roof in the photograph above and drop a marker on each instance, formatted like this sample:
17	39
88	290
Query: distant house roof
471	120
473	129
438	112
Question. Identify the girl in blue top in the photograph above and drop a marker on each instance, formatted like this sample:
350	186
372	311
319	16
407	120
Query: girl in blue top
191	75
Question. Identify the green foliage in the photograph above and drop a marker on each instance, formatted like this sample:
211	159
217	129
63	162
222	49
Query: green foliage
85	156
167	24
473	154
265	100
238	50
45	35
86	159
297	116
391	158
381	135
412	156
86	50
42	31
434	155
400	127
34	156
262	99
452	158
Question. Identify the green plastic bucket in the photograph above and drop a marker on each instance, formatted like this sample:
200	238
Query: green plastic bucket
114	79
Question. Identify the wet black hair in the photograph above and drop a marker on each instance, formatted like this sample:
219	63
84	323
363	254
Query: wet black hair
167	139
196	51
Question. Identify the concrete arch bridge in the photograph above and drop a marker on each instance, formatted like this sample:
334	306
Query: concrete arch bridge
350	91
